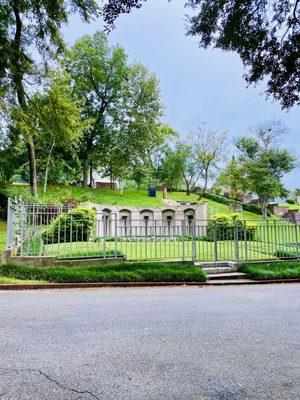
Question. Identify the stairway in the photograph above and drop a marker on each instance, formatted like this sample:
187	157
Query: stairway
224	275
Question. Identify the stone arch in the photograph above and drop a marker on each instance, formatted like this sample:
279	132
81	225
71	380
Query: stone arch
189	217
168	220
124	220
106	221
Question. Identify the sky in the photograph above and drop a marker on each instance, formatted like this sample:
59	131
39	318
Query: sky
196	85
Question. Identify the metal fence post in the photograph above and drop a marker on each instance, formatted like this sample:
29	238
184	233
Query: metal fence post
9	227
182	238
193	240
116	235
22	228
245	240
236	240
296	240
215	242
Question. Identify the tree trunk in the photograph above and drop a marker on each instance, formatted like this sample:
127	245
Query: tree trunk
188	190
203	190
91	174
47	168
85	168
17	77
32	167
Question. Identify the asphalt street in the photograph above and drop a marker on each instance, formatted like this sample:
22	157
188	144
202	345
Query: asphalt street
212	343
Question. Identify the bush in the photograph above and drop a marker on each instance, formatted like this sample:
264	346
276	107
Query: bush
75	225
286	254
276	270
223	200
290	201
223	226
117	272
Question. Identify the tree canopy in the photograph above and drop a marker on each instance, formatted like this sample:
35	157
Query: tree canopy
265	34
29	39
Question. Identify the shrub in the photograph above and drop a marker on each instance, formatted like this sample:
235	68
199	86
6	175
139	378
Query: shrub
223	200
290	201
223	226
75	225
116	272
286	254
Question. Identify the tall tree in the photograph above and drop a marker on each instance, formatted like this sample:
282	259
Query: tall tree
122	99
265	34
189	166
53	120
29	33
209	149
265	165
234	176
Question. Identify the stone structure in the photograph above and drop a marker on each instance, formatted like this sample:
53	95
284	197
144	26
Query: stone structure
285	213
112	220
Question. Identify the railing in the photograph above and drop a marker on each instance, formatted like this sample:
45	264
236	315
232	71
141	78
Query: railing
43	230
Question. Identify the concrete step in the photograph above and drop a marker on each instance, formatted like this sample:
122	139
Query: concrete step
228	275
217	270
212	264
223	282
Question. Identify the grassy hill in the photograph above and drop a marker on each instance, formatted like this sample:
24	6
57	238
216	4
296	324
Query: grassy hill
57	194
2	237
290	206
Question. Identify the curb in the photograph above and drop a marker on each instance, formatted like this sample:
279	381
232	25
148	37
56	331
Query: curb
137	284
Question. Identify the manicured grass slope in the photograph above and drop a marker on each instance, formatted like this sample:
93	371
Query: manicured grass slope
280	270
58	193
2	236
290	206
122	272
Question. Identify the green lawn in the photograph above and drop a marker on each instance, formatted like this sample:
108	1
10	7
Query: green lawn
290	206
58	193
175	250
121	272
2	236
278	270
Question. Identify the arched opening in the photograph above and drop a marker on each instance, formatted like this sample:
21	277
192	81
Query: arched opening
147	218
168	217
189	216
106	222
125	221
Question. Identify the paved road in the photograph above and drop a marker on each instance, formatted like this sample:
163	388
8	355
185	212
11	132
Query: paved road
151	343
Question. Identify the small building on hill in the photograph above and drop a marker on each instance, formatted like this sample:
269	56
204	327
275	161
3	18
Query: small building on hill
160	220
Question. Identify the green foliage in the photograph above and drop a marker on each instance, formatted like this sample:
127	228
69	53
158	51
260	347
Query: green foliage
122	99
276	270
53	120
230	226
233	176
290	201
123	272
75	225
29	34
287	254
2	236
223	200
264	164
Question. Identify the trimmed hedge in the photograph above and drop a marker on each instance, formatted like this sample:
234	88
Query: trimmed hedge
121	272
225	226
286	254
223	200
277	270
75	225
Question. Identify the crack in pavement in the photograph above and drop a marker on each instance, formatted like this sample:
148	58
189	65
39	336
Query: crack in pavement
48	377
